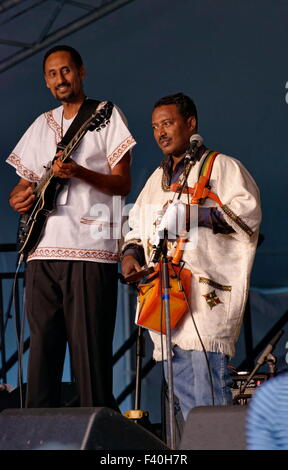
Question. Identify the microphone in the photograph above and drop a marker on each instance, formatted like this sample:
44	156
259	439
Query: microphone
269	348
195	142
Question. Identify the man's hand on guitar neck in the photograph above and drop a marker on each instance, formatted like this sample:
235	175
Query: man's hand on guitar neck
21	198
64	170
116	183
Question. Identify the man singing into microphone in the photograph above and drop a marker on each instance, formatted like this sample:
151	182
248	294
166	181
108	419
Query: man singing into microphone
229	215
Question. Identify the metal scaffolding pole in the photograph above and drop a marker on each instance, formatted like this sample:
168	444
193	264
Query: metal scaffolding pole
70	28
9	4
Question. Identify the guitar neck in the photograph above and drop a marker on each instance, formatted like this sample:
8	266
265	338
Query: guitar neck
71	147
98	119
73	144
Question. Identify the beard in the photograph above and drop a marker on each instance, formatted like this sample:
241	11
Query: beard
68	96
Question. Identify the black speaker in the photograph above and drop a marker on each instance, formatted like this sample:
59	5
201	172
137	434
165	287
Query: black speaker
73	428
215	428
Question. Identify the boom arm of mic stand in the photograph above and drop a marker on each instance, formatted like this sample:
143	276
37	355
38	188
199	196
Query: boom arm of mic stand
191	163
262	358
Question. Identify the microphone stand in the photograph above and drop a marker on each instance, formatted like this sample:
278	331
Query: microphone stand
191	161
137	415
166	302
266	356
161	250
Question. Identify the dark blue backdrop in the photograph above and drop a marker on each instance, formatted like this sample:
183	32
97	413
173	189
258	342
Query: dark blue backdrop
230	56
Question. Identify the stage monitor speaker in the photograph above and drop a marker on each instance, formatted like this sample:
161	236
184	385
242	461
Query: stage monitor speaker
215	428
73	428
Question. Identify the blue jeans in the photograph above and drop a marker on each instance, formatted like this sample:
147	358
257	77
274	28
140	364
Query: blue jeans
191	379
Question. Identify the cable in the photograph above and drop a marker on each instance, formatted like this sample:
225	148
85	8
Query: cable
21	349
163	391
204	351
20	343
198	334
164	382
163	408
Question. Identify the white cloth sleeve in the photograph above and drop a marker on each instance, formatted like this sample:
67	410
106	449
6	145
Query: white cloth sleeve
239	194
117	137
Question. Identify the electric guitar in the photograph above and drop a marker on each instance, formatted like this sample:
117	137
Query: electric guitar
32	223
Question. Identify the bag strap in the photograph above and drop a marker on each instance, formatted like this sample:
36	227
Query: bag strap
207	164
202	187
201	190
85	110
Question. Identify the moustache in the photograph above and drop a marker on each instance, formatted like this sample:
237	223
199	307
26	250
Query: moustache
164	139
62	84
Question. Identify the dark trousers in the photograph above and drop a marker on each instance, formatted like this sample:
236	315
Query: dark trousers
72	301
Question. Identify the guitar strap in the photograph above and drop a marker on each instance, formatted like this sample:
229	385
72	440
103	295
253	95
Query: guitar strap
85	111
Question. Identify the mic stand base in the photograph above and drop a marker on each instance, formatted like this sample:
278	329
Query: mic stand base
137	415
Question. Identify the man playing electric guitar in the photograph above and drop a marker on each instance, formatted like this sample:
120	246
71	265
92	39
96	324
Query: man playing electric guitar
71	278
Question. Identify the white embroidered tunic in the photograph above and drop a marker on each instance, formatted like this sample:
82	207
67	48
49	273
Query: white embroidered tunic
83	226
220	264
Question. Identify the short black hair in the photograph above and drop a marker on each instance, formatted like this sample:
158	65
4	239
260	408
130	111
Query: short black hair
77	59
184	103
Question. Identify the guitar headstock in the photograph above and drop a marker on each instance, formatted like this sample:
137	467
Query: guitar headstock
101	116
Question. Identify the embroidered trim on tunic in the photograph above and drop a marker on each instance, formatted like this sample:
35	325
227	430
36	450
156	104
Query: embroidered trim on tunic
164	183
56	128
63	253
15	161
186	170
237	220
120	150
209	282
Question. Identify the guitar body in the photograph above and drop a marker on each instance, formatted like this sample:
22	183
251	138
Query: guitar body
32	224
